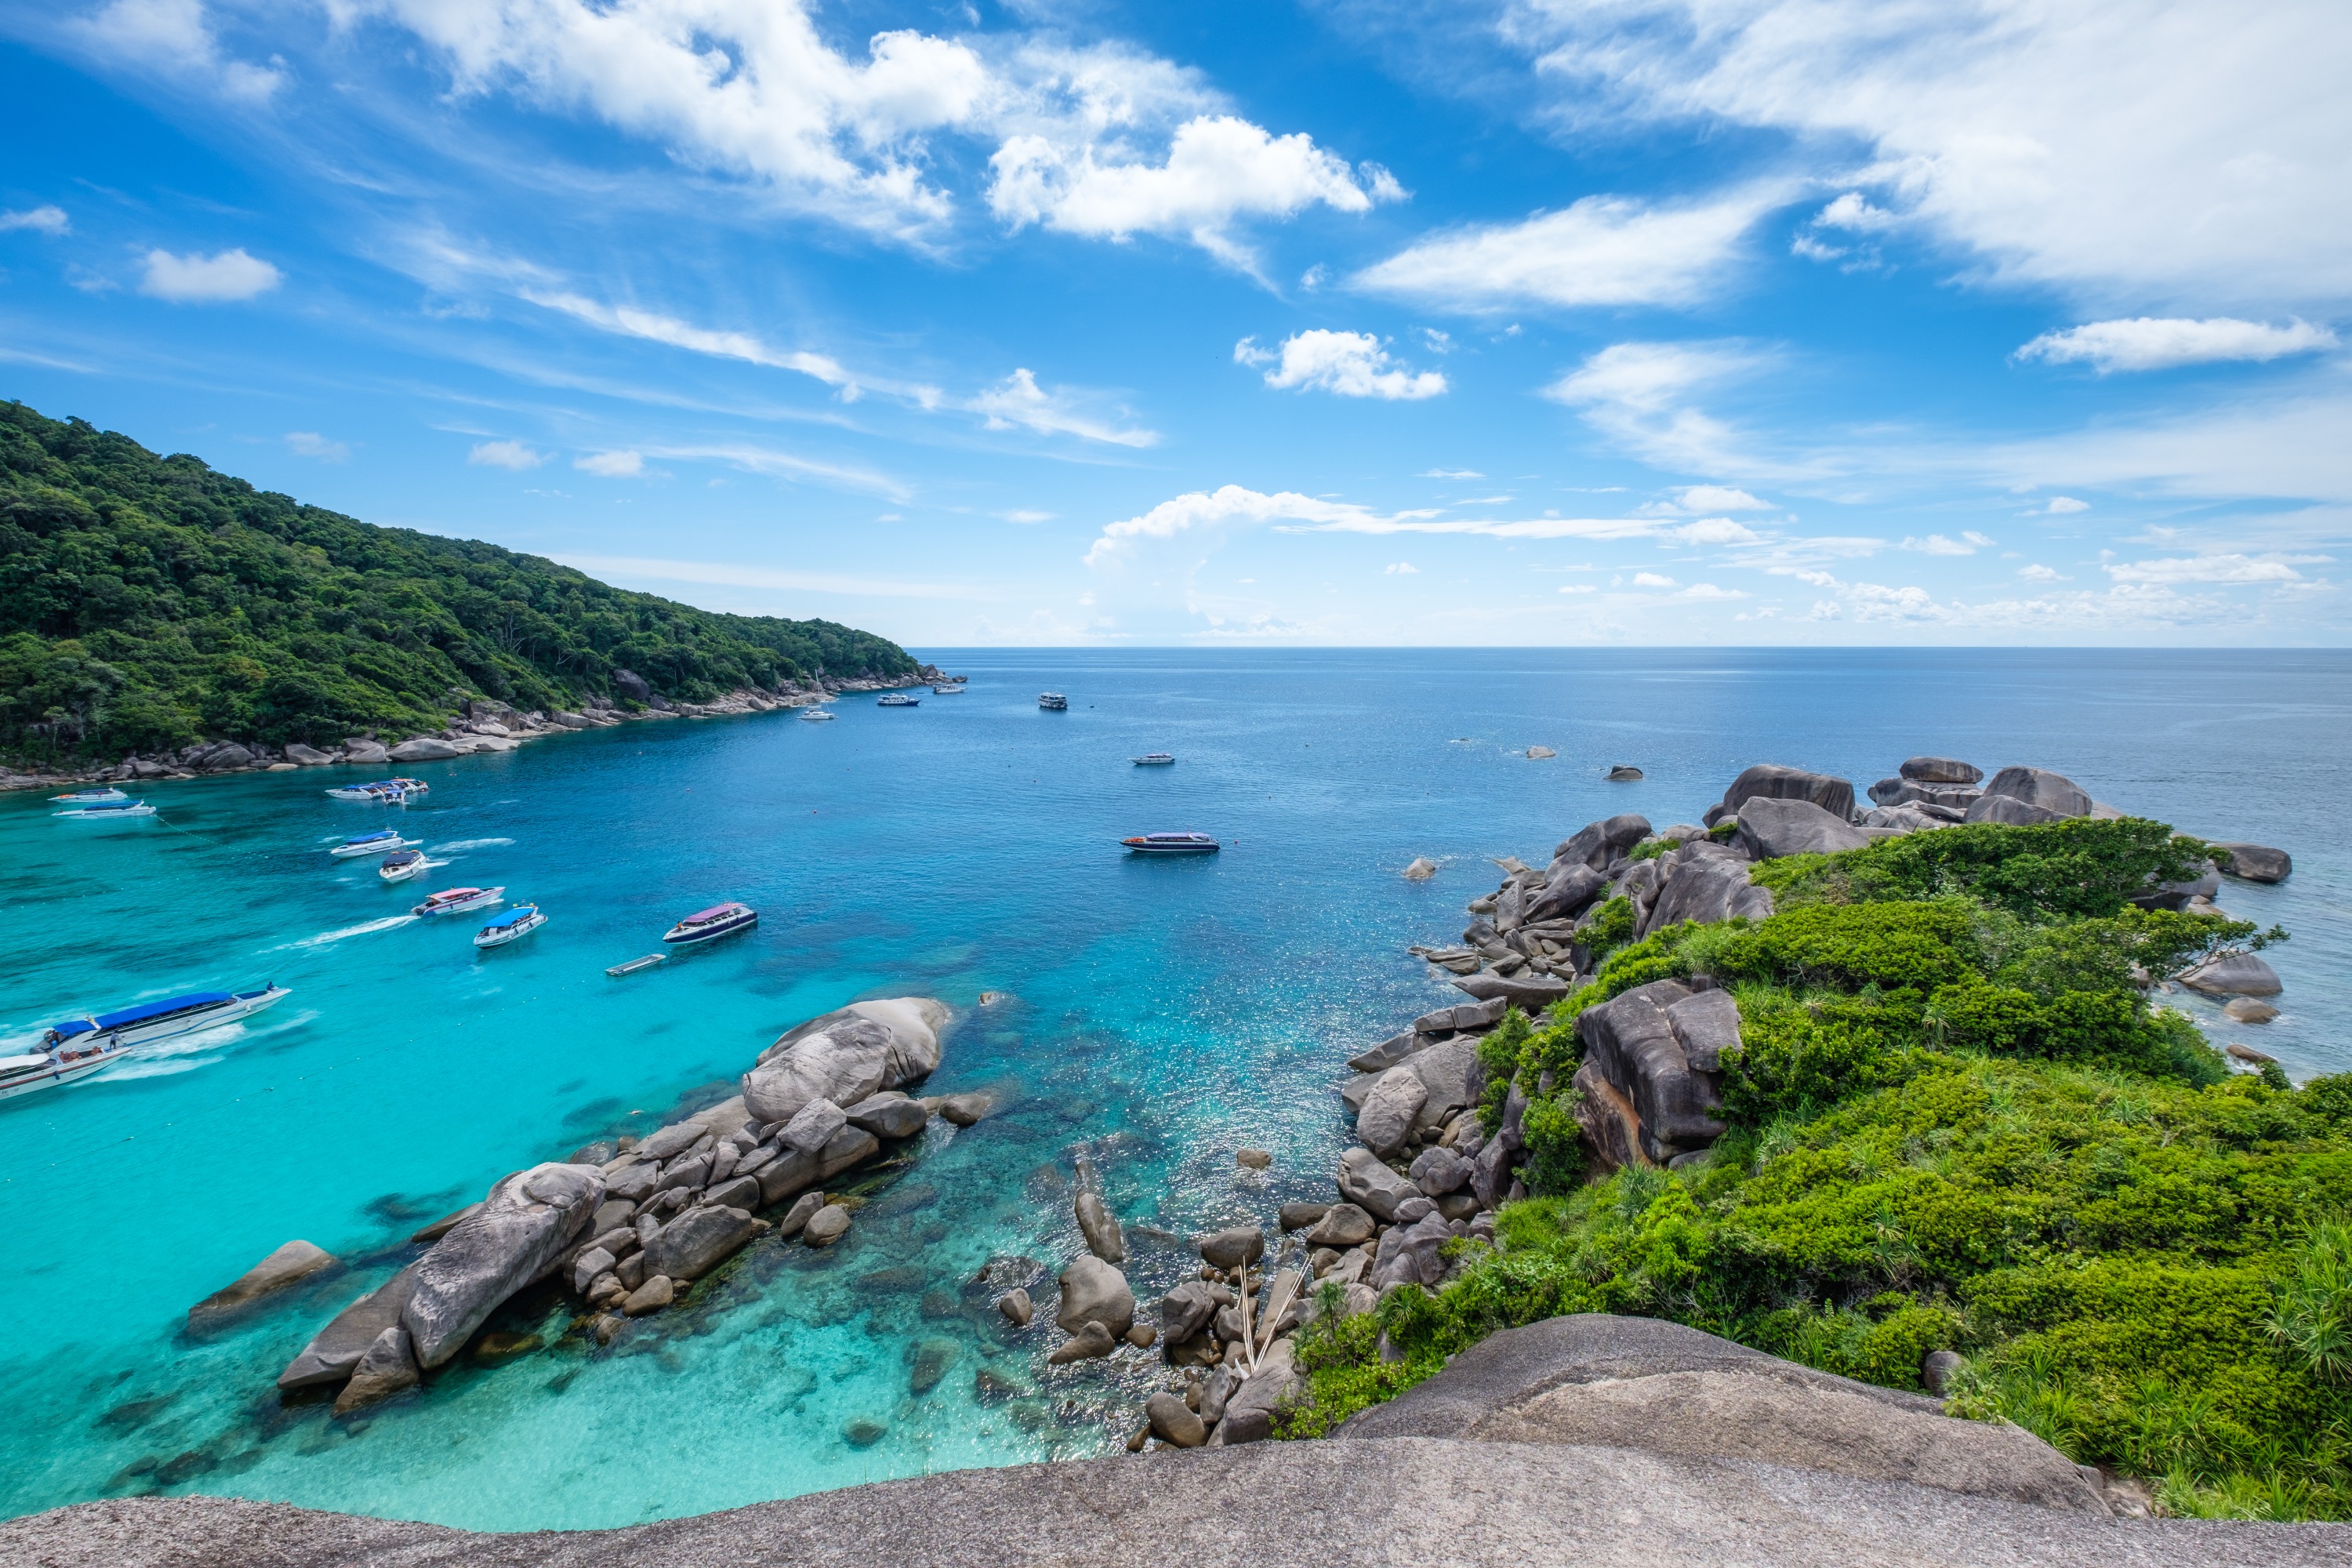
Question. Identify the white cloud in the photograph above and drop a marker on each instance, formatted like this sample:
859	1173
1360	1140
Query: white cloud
1019	400
1202	511
1219	169
1577	588
175	37
1401	569
1348	365
1967	544
311	444
611	465
1854	212
1702	591
511	455
2137	149
2145	344
2060	506
1638	394
1718	498
1604	250
1651	580
48	220
1451	474
1024	515
2038	573
1714	531
195	279
2215	569
654	327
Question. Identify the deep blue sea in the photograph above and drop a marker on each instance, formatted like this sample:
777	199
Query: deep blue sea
1158	1016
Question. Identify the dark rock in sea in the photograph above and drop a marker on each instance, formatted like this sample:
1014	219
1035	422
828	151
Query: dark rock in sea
2252	862
2233	974
1624	773
928	1363
966	1110
2246	1010
1298	1216
291	1264
863	1432
1094	1291
1100	1228
497	1349
1090	1341
1770	827
1940	771
1017	1307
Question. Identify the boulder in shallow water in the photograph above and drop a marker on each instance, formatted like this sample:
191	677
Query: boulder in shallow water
1624	773
1770	827
805	1208
295	1261
700	1240
336	1349
2233	974
1017	1307
827	1226
388	1366
1095	1292
968	1110
846	1056
423	749
1089	1341
518	1236
1100	1227
890	1115
2252	862
652	1296
2246	1010
1421	870
1231	1247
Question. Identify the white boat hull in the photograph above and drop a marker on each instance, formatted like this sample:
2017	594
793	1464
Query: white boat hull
505	934
228	1012
351	851
67	1072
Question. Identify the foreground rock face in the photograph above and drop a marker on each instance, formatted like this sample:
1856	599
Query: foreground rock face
1637	1382
1402	1501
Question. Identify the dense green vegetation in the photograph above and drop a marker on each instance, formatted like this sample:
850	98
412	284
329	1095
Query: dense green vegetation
149	602
1957	1123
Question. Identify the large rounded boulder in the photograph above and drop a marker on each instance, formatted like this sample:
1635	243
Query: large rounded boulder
846	1057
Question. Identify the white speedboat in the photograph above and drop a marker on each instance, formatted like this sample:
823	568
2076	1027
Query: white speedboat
1053	702
899	700
389	791
1172	844
106	811
1154	759
815	716
400	865
710	924
952	689
512	926
106	797
152	1021
382	841
47	1069
451	900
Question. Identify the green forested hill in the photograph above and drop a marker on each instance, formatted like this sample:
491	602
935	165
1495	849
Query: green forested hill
148	602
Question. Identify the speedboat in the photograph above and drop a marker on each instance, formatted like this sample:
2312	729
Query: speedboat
47	1069
710	924
1172	844
512	926
106	797
108	811
1053	702
400	865
382	841
952	689
450	900
1154	759
899	700
815	716
152	1021
391	792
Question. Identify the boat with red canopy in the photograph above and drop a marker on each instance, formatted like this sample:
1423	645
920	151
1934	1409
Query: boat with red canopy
710	924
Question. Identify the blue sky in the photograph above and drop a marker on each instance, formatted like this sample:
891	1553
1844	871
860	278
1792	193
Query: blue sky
1862	321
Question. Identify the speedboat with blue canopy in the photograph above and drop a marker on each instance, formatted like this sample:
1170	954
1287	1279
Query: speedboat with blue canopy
512	926
108	811
149	1022
382	841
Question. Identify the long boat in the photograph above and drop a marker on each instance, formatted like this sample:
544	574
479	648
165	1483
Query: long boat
152	1021
382	841
106	811
710	924
1172	844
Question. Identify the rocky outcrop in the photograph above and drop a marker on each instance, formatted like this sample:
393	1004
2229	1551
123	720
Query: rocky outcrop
1770	781
291	1264
1658	1047
846	1057
517	1237
2233	974
1770	827
2042	790
2252	862
336	1349
423	749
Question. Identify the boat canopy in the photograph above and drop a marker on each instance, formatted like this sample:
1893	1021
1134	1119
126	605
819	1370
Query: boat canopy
371	838
147	1010
449	895
714	913
497	922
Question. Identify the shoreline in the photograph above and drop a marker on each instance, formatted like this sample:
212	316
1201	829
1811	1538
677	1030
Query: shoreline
485	724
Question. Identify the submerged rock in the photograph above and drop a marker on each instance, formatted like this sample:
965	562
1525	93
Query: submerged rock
827	1226
294	1262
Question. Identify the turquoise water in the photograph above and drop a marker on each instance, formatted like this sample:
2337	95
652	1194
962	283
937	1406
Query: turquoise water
1158	1016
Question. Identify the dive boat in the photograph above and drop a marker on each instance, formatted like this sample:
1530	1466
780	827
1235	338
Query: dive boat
1154	759
450	900
392	792
109	811
710	924
152	1021
815	716
952	689
1053	702
1172	844
400	865
382	841
899	700
516	924
106	797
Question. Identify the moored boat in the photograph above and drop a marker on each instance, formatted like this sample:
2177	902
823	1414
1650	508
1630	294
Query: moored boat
648	960
512	926
106	797
1172	844
108	811
400	865
1053	702
450	900
382	841
899	700
1154	759
390	791
152	1021
950	689
710	924
815	716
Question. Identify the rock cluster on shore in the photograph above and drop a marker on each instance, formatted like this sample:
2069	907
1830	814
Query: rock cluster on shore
628	1226
481	724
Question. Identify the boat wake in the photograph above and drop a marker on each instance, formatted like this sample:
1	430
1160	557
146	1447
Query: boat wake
459	845
156	1066
325	937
